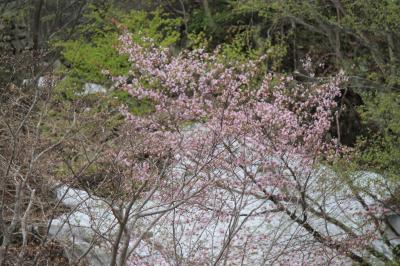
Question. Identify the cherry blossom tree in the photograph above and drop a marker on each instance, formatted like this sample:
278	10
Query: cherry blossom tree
228	169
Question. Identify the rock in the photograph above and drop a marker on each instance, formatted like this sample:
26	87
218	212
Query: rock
42	82
26	82
57	64
80	230
393	229
90	88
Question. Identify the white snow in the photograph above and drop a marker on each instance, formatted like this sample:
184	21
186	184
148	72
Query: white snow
201	236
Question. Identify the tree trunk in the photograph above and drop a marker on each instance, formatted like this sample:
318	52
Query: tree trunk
36	24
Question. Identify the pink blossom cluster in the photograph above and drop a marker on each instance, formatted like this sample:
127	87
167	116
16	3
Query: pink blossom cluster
223	137
273	116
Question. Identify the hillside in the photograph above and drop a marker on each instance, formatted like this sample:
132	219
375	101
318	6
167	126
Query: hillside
204	132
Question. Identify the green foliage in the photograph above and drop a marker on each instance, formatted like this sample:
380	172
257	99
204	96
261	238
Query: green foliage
89	59
95	49
136	107
237	28
359	36
381	149
197	40
237	50
223	25
156	25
